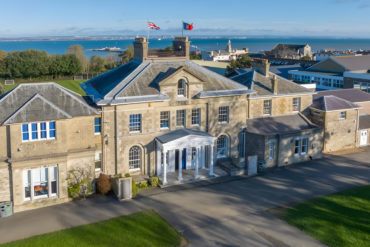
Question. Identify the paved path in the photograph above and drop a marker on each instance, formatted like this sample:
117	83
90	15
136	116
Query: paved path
228	212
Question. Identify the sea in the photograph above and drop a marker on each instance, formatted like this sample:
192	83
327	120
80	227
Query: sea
203	44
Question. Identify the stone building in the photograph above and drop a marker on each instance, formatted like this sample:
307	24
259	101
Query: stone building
45	131
226	55
291	51
276	130
345	116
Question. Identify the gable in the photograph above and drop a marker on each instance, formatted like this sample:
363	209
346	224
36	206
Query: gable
37	109
327	65
172	79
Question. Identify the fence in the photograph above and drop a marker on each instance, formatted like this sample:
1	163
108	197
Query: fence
9	82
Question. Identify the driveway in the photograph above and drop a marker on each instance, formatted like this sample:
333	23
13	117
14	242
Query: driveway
224	212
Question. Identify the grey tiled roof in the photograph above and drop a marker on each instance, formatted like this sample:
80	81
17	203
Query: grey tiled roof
333	103
353	63
364	122
143	79
179	133
279	124
350	94
289	46
41	102
263	85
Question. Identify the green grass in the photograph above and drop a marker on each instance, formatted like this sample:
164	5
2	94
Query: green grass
340	219
140	229
70	84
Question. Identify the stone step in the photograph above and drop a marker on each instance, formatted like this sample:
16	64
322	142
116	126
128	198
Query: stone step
228	166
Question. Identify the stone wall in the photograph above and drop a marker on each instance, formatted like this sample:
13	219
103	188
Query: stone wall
5	182
340	134
280	105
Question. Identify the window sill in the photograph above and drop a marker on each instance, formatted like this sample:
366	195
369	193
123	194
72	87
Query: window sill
164	128
97	169
181	98
38	140
134	170
223	122
97	134
135	132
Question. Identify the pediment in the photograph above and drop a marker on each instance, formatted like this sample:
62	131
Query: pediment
181	72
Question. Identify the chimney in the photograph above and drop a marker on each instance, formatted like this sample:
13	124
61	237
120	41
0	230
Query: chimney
140	49
275	84
182	44
262	65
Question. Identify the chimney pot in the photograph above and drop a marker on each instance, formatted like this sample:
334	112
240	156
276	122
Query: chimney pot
275	84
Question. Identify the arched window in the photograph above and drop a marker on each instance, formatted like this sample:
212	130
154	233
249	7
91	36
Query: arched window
135	158
181	86
222	143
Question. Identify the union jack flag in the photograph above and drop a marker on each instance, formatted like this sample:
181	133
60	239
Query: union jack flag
151	25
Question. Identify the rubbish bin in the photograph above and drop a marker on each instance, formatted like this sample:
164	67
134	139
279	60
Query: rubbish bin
261	166
6	209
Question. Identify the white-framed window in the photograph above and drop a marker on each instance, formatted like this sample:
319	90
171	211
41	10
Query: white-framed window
297	104
222	144
97	125
342	115
300	146
164	119
180	118
98	160
38	131
223	114
135	158
135	123
181	88
272	144
40	182
195	116
267	107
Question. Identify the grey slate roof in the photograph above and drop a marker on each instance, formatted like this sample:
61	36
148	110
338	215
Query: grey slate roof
41	102
350	94
179	133
289	46
279	124
263	85
333	103
142	80
353	63
364	122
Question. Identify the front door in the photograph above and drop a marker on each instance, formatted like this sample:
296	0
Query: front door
363	140
184	159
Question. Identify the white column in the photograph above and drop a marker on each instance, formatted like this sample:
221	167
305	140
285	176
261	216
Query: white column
211	161
164	167
188	158
159	165
203	156
180	165
196	174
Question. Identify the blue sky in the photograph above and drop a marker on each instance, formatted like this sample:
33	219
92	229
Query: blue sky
334	18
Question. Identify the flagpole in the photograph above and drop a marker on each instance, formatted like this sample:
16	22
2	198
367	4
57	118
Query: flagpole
147	35
182	28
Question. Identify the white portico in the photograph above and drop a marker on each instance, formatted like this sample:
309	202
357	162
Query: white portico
184	149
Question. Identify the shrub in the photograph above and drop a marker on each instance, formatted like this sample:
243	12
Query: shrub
118	175
74	190
127	175
154	181
79	182
133	188
104	185
142	185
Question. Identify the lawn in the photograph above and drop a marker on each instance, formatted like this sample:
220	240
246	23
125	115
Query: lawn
70	84
140	229
340	219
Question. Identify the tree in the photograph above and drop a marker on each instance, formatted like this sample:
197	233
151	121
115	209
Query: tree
27	64
3	56
63	65
241	62
96	63
306	58
2	89
169	48
77	50
194	57
128	54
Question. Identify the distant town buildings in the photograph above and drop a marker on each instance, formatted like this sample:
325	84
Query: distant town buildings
337	72
226	55
291	51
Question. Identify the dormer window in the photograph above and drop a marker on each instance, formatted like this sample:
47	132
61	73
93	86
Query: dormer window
181	86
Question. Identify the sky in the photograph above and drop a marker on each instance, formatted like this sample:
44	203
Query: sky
321	18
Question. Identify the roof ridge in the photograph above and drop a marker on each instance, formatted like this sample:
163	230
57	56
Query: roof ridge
37	95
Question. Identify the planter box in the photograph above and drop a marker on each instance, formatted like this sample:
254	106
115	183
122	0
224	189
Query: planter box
6	209
122	188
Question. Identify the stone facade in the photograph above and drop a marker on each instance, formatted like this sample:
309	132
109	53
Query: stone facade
74	146
339	133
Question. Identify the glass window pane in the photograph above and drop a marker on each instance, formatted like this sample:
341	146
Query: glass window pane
25	136
27	183
52	125
25	127
52	134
